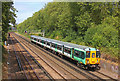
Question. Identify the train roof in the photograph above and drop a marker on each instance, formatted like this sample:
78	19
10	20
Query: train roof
71	45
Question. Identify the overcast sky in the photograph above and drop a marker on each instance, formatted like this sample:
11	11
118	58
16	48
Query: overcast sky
26	9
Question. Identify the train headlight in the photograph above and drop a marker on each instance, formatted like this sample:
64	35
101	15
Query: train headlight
87	61
97	60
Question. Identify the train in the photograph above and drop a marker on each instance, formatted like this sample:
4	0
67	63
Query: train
85	57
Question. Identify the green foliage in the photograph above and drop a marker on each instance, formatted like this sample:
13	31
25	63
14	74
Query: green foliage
8	16
106	37
85	23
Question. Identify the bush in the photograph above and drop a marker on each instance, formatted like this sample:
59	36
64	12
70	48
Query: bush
103	35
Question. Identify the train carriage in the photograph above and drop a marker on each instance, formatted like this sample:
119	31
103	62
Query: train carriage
84	55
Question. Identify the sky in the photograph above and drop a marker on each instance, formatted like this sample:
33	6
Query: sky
27	9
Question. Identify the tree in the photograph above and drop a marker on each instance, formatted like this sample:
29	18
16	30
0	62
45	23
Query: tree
8	16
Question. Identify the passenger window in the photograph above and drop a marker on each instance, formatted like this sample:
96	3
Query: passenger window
44	42
82	55
48	43
59	47
76	53
35	39
53	45
67	50
41	41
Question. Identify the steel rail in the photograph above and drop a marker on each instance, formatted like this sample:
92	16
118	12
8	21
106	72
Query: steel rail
19	61
49	65
47	74
28	63
106	76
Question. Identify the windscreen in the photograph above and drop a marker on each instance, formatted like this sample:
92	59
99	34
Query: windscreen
98	54
88	54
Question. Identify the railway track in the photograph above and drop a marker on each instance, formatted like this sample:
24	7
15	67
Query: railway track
27	67
62	71
82	72
88	77
20	67
18	59
56	73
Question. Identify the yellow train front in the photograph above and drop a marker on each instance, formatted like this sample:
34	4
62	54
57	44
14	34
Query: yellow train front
93	58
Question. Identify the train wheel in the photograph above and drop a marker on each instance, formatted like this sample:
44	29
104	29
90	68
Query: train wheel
85	67
79	65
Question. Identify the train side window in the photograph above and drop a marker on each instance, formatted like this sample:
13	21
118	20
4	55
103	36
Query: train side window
48	43
53	45
41	41
67	50
82	55
44	42
59	47
76	53
35	39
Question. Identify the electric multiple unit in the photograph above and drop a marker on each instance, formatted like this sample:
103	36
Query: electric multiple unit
84	55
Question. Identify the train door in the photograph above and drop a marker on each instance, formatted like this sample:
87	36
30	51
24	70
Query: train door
93	57
56	47
72	52
77	55
63	49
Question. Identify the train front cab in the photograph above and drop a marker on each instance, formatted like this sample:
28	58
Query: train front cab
92	59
